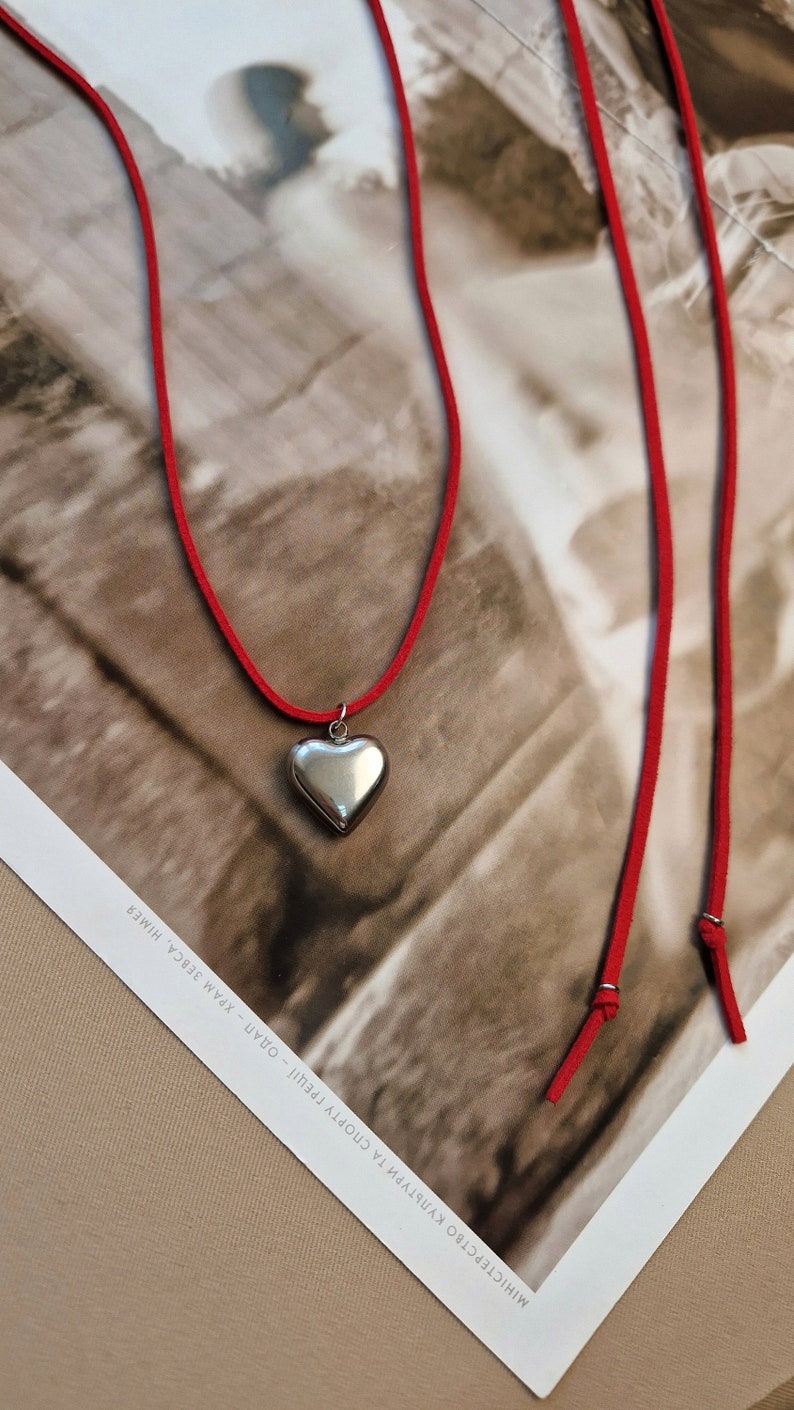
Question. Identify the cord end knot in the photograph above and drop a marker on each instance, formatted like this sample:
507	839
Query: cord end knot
604	1005
712	932
606	1000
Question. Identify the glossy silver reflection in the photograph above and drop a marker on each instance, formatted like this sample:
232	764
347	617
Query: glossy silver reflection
339	778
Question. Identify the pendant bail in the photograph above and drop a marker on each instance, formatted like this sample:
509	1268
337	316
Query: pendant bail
337	730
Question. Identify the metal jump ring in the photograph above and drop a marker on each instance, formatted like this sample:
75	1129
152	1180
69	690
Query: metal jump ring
616	987
338	729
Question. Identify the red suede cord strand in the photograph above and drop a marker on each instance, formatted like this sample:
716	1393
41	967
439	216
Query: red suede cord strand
713	936
444	528
605	1003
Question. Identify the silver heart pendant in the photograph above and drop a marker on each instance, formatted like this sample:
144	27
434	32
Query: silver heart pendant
339	777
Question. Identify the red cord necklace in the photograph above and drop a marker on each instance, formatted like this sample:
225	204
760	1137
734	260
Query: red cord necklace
339	777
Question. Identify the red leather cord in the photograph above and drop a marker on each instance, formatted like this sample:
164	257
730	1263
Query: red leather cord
294	712
605	1003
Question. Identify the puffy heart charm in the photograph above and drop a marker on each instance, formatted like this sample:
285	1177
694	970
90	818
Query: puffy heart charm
339	777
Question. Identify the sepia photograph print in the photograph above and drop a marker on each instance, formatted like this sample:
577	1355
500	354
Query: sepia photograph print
434	967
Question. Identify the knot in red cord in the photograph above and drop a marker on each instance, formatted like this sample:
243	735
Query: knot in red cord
712	934
606	1002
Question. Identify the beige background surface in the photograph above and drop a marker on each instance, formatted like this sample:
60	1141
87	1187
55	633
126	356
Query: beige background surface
782	1398
159	1248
